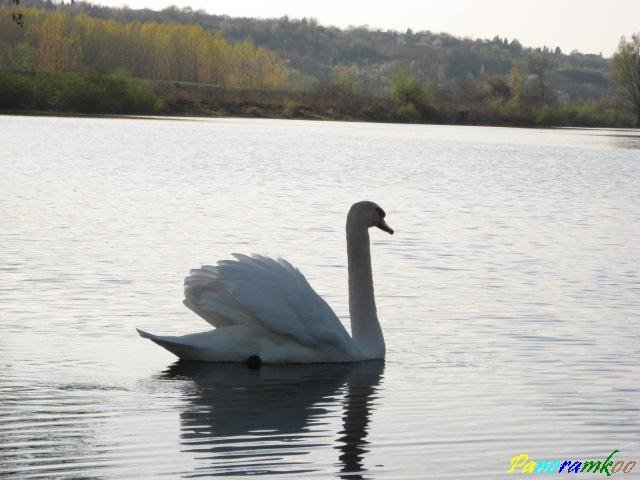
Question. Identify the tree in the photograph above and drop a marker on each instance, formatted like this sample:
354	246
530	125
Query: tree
406	88
416	99
517	85
626	71
539	65
17	15
495	85
345	80
59	41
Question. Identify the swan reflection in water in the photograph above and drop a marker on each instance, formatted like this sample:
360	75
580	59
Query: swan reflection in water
260	422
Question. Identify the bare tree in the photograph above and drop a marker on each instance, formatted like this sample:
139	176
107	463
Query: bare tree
539	65
16	15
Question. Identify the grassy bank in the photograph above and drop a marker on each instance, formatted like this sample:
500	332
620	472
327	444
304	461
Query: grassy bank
96	92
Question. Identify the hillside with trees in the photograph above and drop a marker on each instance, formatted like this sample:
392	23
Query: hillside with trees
303	69
373	56
60	40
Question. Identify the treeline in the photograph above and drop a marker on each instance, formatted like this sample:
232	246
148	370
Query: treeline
517	100
61	41
314	51
97	92
67	60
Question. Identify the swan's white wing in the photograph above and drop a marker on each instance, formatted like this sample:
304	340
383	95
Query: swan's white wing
271	295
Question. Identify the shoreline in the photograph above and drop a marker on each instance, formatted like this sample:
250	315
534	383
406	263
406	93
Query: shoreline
193	116
97	93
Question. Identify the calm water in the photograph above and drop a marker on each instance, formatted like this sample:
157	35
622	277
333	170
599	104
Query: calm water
509	297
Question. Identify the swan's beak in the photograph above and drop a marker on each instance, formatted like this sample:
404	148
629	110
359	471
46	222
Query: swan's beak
382	225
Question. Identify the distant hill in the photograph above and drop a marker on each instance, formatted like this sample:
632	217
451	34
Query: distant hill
79	57
315	52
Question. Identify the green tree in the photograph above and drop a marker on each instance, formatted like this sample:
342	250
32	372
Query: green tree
406	88
417	101
626	71
517	86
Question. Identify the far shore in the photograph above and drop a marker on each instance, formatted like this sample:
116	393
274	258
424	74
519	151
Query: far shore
193	116
95	92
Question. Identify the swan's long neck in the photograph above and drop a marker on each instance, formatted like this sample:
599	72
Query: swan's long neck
365	327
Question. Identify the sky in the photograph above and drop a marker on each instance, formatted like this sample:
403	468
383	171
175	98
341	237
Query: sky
589	26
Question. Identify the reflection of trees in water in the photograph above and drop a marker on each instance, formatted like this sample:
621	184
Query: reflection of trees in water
244	421
629	141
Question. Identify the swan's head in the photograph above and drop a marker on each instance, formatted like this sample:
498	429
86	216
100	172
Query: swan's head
368	214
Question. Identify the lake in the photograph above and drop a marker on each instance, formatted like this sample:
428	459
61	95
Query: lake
509	297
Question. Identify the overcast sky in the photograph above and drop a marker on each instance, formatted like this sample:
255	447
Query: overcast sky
587	25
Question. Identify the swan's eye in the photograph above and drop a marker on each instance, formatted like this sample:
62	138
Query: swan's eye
380	212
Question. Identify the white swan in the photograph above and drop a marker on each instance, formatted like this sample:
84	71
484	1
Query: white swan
264	310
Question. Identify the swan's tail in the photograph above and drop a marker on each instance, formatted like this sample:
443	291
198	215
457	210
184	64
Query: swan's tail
179	349
144	334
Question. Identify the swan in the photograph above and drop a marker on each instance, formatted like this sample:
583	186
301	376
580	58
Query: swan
264	310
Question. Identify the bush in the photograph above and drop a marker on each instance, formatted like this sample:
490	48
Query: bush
291	108
16	91
553	117
408	114
495	110
90	92
99	92
589	114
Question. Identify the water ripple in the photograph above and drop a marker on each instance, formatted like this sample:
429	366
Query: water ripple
509	297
